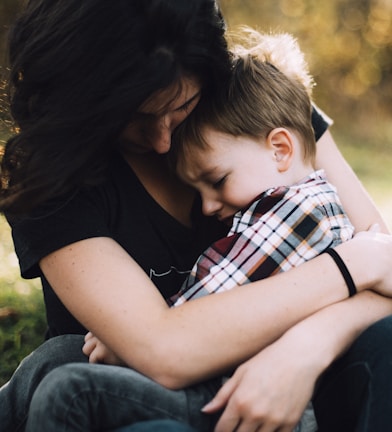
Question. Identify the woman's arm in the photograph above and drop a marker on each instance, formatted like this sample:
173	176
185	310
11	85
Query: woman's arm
356	201
204	337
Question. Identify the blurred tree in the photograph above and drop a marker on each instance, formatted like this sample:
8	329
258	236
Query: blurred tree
348	44
8	11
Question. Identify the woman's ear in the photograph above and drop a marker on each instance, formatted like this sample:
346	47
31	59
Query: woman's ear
280	140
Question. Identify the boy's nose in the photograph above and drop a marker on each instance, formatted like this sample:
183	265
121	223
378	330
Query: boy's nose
210	207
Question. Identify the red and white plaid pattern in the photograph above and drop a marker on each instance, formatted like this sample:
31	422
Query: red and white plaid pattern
283	228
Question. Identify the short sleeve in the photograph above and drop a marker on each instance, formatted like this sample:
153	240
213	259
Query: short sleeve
78	218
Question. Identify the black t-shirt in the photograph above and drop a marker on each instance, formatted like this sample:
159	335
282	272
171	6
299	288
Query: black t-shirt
122	209
119	208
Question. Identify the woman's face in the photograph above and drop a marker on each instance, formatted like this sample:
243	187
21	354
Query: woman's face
156	119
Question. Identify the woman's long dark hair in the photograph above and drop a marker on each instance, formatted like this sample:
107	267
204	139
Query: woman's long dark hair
80	69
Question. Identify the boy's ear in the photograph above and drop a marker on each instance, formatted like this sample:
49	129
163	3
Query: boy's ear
281	143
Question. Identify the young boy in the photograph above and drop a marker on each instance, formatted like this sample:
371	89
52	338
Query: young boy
250	154
235	150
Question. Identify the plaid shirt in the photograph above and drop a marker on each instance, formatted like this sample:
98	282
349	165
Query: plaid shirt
283	228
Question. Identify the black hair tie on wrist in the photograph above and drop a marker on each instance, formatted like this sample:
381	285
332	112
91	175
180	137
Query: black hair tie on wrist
352	289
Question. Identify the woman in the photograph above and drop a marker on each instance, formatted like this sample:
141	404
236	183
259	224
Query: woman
98	88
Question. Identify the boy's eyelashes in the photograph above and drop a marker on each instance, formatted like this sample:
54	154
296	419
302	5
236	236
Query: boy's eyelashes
219	183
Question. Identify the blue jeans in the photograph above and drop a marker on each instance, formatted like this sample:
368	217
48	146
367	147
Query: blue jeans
355	394
84	397
16	395
157	426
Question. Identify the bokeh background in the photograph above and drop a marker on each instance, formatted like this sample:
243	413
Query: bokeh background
348	45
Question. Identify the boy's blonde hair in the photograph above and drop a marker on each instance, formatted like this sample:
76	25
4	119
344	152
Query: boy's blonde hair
269	87
279	49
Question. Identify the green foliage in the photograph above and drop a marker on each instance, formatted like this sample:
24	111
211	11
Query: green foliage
22	316
22	327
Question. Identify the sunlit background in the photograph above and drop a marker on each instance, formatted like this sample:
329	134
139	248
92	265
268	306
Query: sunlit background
348	45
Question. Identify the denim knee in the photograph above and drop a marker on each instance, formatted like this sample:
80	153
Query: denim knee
15	397
157	426
56	399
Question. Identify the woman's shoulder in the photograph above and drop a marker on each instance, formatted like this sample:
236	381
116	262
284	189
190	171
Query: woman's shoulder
85	213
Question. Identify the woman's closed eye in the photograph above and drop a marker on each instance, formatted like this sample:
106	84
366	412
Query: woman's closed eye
186	107
189	103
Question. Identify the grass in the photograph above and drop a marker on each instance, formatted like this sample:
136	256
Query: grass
22	326
22	316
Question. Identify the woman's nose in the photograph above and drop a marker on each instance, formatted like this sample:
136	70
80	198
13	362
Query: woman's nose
162	135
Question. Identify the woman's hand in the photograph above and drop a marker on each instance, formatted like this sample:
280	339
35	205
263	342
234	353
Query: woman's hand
369	257
97	352
269	392
384	286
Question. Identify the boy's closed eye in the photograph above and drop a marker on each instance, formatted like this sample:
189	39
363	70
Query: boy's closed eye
219	183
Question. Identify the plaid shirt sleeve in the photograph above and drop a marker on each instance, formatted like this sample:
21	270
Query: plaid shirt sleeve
279	231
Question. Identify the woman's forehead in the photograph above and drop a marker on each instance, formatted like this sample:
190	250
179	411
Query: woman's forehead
171	98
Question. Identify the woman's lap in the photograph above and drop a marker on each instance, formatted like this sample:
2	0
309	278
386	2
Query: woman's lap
16	395
80	397
48	370
355	394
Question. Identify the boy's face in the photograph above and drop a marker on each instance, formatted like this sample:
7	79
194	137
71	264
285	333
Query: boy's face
231	173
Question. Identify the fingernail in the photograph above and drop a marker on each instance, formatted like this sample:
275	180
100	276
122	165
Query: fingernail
206	407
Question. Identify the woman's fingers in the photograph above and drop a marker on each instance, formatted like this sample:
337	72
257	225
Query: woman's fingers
221	398
267	393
